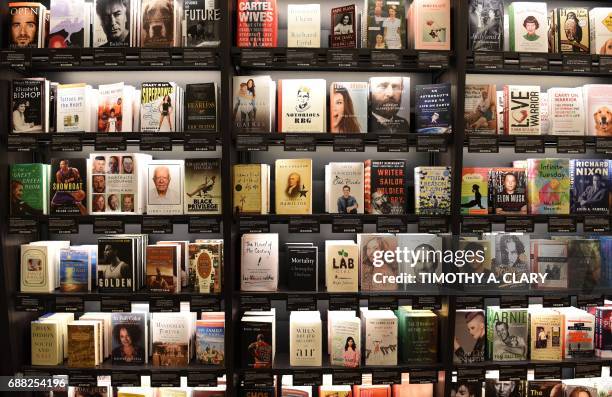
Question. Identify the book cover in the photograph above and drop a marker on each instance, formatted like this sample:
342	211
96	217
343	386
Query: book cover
548	186
600	33
507	334
293	186
28	105
482	263
158	105
202	186
67	24
424	247
348	107
486	25
470	336
432	190
345	340
115	265
372	390
95	391
29	184
474	191
550	257
545	325
46	340
37	272
206	266
257	23
508	191
571	29
305	339
528	23
522	110
210	342
257	341
161	269
480	115
431	21
500	112
259	262
341	266
74	270
250	185
111	109
129	338
202	24
304	25
384	24
545	126
603	347
254	103
344	33
512	256
589	184
433	109
578	333
302	264
344	188
26	24
580	389
158	23
201	108
385	183
389	105
301	105
565	111
418	335
371	269
165	187
113	23
68	188
584	263
81	343
380	333
544	388
598	108
74	108
499	388
171	336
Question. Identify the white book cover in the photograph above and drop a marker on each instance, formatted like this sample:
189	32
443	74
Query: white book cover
341	266
500	112
302	105
115	109
544	114
67	24
305	339
600	20
380	334
165	187
598	109
348	107
566	111
259	262
304	25
522	110
37	274
344	339
344	188
112	23
432	24
422	257
73	108
528	27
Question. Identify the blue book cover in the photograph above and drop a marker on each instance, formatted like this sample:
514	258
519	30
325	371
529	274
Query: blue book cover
590	185
74	270
605	243
210	337
433	108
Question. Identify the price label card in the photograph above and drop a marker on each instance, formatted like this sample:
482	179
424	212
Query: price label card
203	303
347	224
529	144
350	378
65	57
200	142
470	302
471	374
301	302
605	64
201	224
69	304
82	378
108	225
22	226
29	303
300	143
343	302
510	373
115	304
258	303
164	303
533	62
489	60
298	224
153	224
386	59
22	143
483	144
557	301
475	224
256	58
16	59
431	143
603	145
545	372
386	377
391	224
66	143
197	378
432	60
251	143
517	224
596	224
165	378
587	301
307	378
110	143
155	143
258	379
254	225
571	145
558	224
427	302
514	302
199	57
577	63
155	57
428	224
423	376
381	302
348	143
392	144
125	378
582	371
111	56
343	58
302	58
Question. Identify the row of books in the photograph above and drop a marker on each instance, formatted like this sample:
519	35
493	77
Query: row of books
376	186
385	24
543	186
116	183
411	261
532	27
122	263
161	339
111	23
39	105
108	391
380	105
524	110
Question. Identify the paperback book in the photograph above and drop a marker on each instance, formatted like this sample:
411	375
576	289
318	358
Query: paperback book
29	193
202	24
470	336
570	28
69	24
522	110
600	33
370	269
114	25
565	111
171	335
384	24
158	104
430	24
251	183
30	111
341	266
27	22
165	187
254	103
550	257
528	23
344	188
259	262
75	270
130	338
546	336
201	108
304	25
598	108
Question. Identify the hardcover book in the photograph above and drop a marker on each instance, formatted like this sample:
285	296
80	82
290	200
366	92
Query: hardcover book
344	339
470	336
431	24
371	270
30	112
600	33
305	339
500	112
257	341
486	25
165	187
389	105
384	24
528	23
548	186
584	263
29	189
202	186
341	266
37	269
589	184
113	24
423	246
257	23
544	388
570	27
68	187
67	24
508	191
344	33
385	183
75	270
512	257
578	333
210	341
550	257
301	105
46	339
565	111
348	107
251	184
201	107
130	338
603	337
158	107
546	336
302	267
304	25
379	329
82	344
480	115
344	188
293	186
116	264
171	338
160	25
474	191
433	109
507	334
27	24
522	110
74	110
202	24
418	335
598	108
161	269
514	387
545	127
254	103
432	190
206	266
259	262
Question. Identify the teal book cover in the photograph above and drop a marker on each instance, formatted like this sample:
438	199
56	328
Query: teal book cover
28	187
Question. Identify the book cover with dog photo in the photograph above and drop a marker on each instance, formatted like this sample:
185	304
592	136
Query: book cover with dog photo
601	34
598	109
160	24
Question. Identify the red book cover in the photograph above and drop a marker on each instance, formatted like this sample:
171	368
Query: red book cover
257	23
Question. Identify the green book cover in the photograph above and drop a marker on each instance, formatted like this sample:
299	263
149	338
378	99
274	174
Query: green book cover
507	334
418	335
511	26
28	190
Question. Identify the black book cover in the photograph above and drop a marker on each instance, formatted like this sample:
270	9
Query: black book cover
52	107
203	23
201	107
27	107
385	194
128	338
433	108
68	187
116	265
584	263
302	268
256	344
498	388
589	184
486	25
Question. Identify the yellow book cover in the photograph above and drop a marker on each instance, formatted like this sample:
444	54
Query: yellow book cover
81	345
45	343
294	186
247	189
546	335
